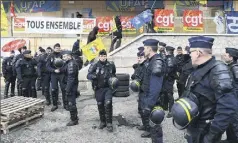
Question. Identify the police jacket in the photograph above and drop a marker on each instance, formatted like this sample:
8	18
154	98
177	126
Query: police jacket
41	64
163	56
50	62
186	71
71	70
170	75
153	80
100	72
15	59
78	60
26	67
234	69
179	62
139	72
210	86
7	67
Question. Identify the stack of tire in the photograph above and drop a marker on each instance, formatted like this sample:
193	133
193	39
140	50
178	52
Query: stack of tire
123	85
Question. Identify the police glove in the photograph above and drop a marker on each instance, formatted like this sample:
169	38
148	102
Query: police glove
212	137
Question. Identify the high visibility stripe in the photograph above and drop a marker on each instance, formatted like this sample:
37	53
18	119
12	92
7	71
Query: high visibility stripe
186	110
137	83
186	103
156	108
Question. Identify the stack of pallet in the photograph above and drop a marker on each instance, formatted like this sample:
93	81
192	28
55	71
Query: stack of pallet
20	110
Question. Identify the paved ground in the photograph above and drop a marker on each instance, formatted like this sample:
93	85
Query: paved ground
51	128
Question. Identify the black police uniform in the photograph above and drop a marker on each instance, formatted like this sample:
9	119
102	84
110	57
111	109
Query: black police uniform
138	75
152	84
180	62
71	71
99	73
39	79
210	86
162	52
44	74
26	74
232	131
135	66
169	78
183	72
55	79
7	70
19	86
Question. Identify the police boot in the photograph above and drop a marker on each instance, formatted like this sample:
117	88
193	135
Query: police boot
146	115
47	97
101	111
73	117
33	93
108	109
54	99
25	92
19	90
65	100
12	89
142	127
6	89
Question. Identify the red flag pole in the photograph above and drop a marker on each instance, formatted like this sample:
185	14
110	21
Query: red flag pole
12	14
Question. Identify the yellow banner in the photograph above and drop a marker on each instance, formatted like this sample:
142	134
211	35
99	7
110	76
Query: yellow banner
92	49
4	22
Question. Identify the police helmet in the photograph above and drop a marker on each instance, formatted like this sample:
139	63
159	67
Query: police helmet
184	111
156	116
58	63
113	82
135	85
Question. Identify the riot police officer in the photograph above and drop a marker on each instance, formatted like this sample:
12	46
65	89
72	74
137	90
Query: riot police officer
230	58
163	98
138	81
169	78
7	71
15	59
39	79
209	90
55	66
139	60
71	71
44	75
26	74
179	58
152	84
100	73
162	52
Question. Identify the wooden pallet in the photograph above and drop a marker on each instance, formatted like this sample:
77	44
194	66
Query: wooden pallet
20	110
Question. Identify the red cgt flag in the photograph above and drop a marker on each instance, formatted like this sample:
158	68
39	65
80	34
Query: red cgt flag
12	10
